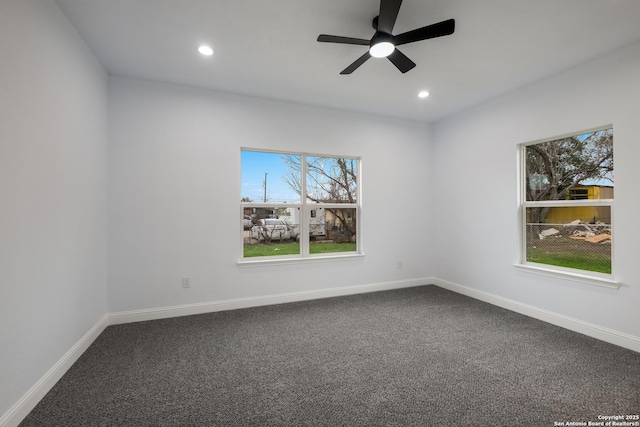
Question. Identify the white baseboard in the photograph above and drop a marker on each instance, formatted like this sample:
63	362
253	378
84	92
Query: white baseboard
234	304
595	331
21	409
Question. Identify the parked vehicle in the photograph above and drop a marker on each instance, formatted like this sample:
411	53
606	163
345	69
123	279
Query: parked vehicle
271	229
294	229
246	222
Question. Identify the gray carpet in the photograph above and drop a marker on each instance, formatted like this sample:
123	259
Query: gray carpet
421	356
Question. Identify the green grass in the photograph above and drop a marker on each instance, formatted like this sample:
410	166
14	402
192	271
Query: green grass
272	249
293	248
325	248
577	260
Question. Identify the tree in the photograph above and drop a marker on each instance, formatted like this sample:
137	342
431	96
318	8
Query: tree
328	180
553	168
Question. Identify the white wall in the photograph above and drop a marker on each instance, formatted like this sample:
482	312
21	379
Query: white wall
174	192
53	137
476	191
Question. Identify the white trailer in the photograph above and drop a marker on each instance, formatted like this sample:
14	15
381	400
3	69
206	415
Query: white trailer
317	220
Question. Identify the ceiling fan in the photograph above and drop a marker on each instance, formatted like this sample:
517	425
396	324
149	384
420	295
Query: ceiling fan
383	43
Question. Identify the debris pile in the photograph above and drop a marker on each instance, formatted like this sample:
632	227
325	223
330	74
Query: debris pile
578	230
548	233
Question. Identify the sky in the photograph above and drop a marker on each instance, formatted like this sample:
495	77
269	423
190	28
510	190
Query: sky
254	166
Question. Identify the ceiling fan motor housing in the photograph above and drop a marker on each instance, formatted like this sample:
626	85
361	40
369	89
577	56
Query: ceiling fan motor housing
380	37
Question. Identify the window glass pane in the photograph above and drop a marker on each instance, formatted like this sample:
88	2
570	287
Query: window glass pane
562	169
332	230
574	237
271	231
331	180
268	177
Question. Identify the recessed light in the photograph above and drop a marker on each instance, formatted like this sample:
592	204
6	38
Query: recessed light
205	50
423	94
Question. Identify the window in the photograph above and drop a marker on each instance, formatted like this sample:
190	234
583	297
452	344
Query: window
296	205
566	203
579	194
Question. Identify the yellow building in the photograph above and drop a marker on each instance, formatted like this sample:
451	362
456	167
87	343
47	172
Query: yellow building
587	214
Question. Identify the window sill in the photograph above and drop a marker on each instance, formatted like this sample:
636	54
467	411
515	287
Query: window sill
248	263
603	280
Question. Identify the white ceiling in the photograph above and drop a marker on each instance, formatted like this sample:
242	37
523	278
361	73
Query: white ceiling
268	48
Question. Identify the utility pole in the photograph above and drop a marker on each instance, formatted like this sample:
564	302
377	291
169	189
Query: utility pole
265	187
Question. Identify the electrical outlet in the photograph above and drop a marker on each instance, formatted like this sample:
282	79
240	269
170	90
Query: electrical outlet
186	282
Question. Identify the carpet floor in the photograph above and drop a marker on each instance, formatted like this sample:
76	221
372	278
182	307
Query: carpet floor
420	356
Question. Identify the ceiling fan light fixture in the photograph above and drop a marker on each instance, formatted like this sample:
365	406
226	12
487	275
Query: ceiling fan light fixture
382	49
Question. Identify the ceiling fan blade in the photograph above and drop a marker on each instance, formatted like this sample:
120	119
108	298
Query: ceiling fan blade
339	39
358	62
401	61
440	29
388	13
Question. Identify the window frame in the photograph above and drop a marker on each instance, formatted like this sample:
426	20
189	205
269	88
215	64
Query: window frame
306	206
572	274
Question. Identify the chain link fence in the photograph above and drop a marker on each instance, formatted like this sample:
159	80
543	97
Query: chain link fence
579	245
